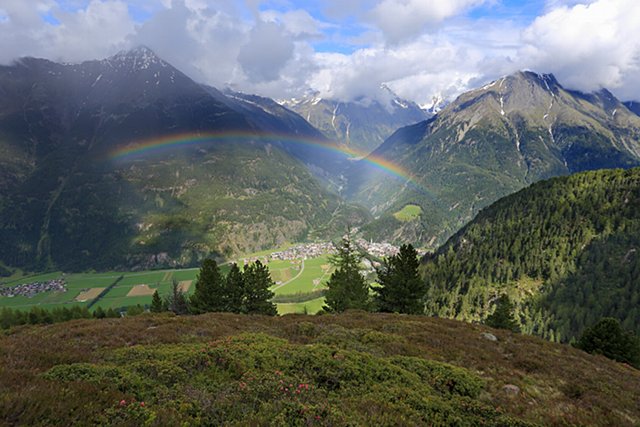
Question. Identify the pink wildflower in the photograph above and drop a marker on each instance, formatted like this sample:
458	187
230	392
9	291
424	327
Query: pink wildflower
123	402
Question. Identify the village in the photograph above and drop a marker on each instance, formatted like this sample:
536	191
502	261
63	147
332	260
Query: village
30	290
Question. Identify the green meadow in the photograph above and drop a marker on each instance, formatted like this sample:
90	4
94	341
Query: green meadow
291	277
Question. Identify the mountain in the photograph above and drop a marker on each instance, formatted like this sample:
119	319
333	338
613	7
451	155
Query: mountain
488	143
362	124
633	106
566	250
350	369
127	162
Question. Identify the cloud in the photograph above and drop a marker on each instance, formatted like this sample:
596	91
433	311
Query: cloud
400	20
587	46
99	29
266	53
344	49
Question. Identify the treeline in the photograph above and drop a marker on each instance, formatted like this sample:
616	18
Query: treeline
564	250
39	316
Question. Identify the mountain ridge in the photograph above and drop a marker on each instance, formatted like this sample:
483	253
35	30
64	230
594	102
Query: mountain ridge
490	142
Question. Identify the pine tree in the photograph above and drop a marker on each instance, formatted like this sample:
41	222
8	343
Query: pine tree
234	290
401	288
257	296
502	317
347	288
607	337
209	289
99	313
176	300
156	303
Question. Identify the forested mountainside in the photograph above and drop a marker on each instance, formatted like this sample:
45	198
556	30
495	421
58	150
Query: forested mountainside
489	143
126	163
566	250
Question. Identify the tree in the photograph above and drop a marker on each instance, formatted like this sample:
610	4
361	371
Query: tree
209	289
135	310
156	303
234	290
502	317
347	287
401	288
257	296
608	338
99	313
176	300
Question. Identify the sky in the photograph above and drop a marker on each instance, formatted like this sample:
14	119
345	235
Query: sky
344	49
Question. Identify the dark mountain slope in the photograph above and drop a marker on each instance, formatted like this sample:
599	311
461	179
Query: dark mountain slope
67	202
565	249
489	143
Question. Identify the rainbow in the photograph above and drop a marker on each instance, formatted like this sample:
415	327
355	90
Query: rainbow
147	146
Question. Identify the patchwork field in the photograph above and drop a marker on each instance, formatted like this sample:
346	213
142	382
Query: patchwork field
291	276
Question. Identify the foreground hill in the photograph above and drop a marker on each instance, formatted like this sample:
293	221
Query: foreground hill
352	369
489	143
566	249
86	182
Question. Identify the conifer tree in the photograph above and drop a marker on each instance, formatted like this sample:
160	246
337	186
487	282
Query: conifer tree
401	288
502	317
176	300
607	337
257	296
209	289
156	303
234	290
347	288
99	313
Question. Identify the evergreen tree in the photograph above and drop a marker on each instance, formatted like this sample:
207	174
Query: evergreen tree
502	317
99	313
257	296
135	310
234	290
209	289
111	313
401	288
347	288
156	303
176	300
607	337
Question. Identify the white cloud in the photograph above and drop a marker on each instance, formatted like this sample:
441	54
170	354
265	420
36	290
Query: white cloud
400	20
419	48
266	53
587	46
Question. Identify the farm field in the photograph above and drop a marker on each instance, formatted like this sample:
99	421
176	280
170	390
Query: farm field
313	306
132	288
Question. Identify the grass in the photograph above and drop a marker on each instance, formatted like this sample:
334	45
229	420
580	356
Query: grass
408	213
361	369
312	277
313	306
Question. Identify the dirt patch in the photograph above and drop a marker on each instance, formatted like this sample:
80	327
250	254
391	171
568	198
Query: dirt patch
89	294
184	285
140	291
167	276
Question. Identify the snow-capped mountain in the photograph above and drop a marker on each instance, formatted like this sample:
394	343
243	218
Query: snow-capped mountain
361	124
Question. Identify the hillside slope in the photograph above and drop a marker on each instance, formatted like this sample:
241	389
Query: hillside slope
489	143
566	249
128	163
356	369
